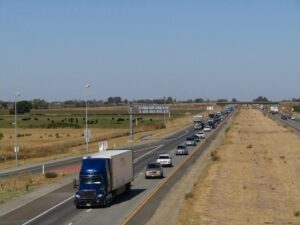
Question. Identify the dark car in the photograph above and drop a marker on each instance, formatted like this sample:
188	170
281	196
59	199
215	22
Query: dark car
283	117
196	137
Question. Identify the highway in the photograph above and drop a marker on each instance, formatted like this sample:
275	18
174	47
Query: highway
57	207
295	124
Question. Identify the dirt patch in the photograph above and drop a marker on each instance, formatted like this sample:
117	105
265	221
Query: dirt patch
255	181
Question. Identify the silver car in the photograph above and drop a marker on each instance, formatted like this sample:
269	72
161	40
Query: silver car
190	141
154	170
182	150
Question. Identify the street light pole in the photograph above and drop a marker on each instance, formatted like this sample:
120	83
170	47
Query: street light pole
86	121
164	110
16	132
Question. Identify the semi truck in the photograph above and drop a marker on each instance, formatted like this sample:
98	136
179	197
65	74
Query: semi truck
103	176
198	122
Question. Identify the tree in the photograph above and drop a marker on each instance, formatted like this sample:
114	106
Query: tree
260	99
22	107
234	100
114	100
39	104
4	105
169	100
199	100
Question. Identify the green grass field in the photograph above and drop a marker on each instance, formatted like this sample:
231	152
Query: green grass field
112	117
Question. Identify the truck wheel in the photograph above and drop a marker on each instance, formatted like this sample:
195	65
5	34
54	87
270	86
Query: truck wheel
128	186
78	206
106	203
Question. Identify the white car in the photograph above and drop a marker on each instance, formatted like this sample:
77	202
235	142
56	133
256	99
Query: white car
293	118
165	160
200	134
207	128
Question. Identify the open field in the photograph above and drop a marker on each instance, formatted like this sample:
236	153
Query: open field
255	179
98	117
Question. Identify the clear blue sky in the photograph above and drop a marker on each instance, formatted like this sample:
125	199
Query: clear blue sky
149	49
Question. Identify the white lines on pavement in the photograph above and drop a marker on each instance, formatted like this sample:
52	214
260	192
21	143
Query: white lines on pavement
143	149
70	223
48	210
138	158
88	210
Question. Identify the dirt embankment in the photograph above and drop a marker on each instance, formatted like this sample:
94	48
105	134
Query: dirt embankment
255	181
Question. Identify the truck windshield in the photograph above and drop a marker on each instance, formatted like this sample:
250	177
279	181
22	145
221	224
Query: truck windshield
91	180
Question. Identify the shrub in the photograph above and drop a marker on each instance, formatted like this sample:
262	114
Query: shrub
50	174
297	213
214	156
1	136
188	196
62	125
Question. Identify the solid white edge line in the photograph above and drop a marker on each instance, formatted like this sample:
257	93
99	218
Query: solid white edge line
48	210
137	159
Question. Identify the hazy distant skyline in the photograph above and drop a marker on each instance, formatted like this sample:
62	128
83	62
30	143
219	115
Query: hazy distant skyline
137	49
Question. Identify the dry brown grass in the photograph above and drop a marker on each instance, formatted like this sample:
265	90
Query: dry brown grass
257	185
16	186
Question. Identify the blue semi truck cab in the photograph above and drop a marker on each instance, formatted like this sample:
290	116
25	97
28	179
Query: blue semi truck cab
103	176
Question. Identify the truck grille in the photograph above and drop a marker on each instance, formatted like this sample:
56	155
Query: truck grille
88	194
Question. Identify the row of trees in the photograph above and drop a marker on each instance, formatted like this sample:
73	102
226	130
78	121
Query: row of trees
25	106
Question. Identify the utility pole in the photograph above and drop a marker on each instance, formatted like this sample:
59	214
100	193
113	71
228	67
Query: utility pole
86	133
164	110
16	127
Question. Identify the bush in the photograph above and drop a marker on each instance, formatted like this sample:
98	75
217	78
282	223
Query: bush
214	156
297	213
50	174
1	136
62	125
188	195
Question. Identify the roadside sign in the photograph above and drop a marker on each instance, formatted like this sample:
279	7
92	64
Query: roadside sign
16	149
103	145
153	109
209	108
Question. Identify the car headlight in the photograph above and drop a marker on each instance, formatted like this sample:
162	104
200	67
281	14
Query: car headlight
77	196
99	196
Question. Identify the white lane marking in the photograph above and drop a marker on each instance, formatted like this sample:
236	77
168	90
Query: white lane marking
171	139
186	132
48	210
143	149
138	158
70	223
88	210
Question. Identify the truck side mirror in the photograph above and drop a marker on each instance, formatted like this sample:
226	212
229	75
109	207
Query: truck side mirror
75	185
